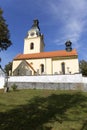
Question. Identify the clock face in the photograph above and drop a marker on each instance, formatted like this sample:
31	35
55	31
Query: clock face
32	33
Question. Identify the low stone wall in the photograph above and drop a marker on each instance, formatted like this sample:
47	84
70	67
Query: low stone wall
54	86
61	82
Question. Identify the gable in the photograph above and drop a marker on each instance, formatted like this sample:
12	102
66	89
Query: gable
24	68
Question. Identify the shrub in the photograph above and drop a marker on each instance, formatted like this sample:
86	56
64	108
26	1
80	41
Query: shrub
14	87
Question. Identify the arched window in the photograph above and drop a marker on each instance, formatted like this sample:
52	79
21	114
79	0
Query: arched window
63	67
42	68
32	45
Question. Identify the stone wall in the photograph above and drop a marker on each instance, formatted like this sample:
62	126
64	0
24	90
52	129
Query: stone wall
54	86
61	82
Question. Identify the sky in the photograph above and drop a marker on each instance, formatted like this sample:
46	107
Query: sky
59	21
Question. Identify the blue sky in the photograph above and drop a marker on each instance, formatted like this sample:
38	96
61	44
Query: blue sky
59	21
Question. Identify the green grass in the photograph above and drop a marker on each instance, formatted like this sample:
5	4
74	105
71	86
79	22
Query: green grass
43	110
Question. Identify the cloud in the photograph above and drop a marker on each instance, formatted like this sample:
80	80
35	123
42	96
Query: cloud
73	17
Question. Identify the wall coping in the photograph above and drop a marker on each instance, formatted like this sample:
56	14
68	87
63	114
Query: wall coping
75	78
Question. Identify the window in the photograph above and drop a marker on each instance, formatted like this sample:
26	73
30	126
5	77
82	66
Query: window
32	46
42	68
63	67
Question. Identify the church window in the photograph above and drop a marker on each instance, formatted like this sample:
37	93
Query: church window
42	68
32	46
63	67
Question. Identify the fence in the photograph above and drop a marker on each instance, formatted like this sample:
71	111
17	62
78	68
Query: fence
75	81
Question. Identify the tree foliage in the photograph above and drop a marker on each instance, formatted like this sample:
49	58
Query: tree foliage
8	68
83	67
5	41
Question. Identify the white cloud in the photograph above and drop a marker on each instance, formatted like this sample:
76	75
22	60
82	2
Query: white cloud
72	15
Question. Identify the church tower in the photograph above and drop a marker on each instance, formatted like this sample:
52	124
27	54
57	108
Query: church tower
34	42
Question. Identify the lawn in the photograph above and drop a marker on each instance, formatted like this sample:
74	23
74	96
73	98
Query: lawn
43	110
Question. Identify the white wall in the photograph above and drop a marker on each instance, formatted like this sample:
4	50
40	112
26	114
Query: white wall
76	78
72	64
2	82
84	79
38	45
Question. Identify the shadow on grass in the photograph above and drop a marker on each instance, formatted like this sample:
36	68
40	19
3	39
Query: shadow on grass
84	126
40	110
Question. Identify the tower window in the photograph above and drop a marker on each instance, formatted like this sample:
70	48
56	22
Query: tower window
32	46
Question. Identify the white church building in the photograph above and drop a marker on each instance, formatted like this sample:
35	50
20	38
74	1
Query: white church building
35	61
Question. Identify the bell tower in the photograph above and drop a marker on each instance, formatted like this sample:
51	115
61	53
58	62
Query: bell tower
68	46
34	42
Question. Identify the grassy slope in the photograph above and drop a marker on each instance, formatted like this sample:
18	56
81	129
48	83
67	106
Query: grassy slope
43	110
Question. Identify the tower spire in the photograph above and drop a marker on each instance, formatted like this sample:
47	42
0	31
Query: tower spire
35	24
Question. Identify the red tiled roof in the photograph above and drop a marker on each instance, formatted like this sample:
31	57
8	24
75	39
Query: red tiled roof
61	53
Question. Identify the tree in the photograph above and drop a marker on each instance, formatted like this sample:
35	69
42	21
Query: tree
83	67
5	41
8	68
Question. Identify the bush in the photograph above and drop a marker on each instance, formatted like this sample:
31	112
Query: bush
14	87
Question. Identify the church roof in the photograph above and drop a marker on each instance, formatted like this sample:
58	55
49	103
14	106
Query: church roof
60	53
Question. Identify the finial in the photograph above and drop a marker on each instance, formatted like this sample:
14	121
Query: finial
36	24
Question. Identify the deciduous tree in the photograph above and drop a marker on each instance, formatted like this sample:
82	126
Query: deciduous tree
83	67
5	41
8	68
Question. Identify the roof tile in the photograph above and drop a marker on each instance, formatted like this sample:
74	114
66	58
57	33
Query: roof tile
60	53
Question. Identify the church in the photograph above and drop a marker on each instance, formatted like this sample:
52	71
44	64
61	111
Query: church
35	61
